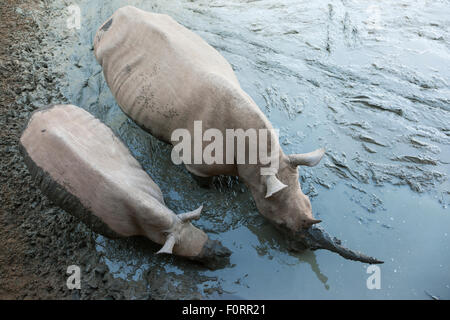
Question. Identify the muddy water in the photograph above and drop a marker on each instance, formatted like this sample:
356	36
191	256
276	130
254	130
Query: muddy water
368	80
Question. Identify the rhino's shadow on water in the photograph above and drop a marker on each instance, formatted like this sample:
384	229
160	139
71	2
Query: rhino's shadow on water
271	239
309	257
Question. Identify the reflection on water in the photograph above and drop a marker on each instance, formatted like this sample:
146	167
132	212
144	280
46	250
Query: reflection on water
369	81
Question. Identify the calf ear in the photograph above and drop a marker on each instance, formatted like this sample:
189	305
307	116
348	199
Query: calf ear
168	245
273	185
307	159
191	215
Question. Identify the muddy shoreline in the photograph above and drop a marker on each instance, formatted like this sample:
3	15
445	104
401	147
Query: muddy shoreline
38	241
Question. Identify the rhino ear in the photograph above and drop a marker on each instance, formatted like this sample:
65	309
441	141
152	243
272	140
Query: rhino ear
307	159
273	185
191	215
168	245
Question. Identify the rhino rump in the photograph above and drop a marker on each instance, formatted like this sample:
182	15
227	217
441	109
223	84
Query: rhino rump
61	197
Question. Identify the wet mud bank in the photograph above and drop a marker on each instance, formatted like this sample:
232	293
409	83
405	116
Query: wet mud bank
38	240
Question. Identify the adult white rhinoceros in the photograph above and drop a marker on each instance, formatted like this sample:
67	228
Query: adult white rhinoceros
167	78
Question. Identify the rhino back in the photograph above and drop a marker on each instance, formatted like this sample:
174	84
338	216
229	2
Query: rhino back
162	75
82	166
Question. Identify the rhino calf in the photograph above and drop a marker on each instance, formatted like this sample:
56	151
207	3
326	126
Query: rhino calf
81	165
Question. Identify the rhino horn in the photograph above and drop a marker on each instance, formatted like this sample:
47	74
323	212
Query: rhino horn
313	221
307	159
